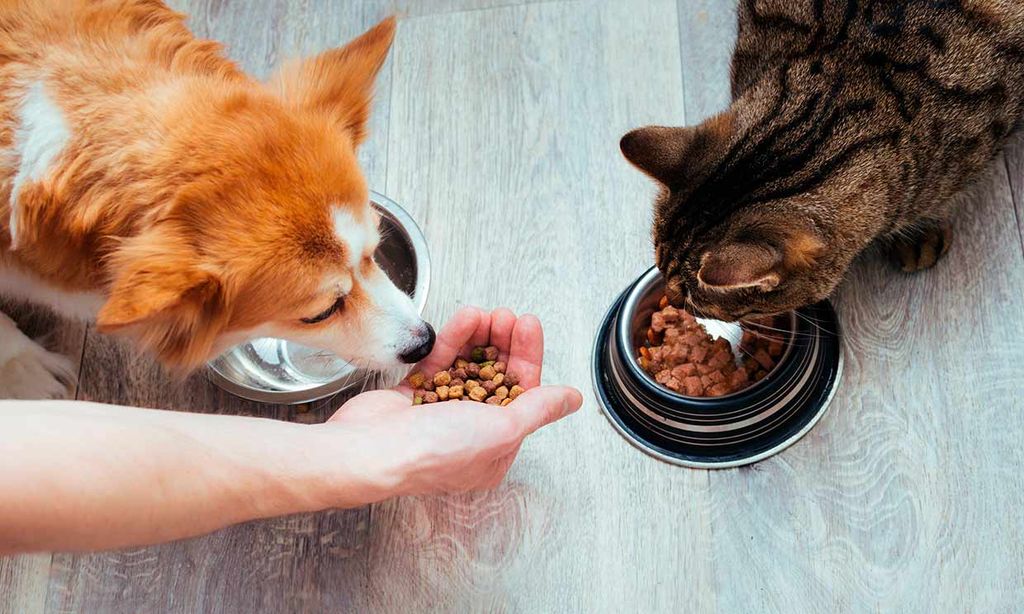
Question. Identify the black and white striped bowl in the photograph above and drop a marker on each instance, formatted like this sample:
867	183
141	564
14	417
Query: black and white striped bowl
729	431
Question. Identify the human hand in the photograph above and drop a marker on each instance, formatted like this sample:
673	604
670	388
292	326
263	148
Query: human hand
456	446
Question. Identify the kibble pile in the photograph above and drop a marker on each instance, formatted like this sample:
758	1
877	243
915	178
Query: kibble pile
482	378
682	356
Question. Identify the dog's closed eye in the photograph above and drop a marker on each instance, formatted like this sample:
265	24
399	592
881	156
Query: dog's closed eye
338	305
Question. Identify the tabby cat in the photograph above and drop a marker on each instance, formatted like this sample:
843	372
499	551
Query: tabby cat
851	120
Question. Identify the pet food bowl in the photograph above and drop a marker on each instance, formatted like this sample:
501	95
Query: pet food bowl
715	432
282	372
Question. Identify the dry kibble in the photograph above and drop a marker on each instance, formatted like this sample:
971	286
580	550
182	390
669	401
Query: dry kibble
483	379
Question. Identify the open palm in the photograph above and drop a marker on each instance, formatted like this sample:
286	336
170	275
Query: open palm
459	445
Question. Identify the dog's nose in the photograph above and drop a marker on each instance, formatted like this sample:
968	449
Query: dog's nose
421	351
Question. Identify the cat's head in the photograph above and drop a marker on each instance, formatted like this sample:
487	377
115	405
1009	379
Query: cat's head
737	232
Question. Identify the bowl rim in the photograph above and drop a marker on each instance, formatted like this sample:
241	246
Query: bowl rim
414	236
623	326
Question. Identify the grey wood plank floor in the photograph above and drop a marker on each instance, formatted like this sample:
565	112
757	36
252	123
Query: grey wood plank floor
904	498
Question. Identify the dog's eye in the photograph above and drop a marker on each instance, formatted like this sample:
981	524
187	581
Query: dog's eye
320	317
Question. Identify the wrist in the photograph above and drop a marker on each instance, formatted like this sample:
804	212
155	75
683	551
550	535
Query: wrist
345	469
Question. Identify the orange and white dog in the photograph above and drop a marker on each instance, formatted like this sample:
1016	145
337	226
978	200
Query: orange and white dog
147	184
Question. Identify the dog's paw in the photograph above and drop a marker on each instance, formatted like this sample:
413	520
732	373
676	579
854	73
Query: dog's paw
32	372
923	249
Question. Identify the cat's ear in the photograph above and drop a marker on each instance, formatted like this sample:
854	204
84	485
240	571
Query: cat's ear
657	151
339	82
737	266
667	154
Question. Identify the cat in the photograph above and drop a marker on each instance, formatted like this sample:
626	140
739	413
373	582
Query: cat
850	121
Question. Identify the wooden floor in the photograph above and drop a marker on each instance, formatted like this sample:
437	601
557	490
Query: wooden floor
907	497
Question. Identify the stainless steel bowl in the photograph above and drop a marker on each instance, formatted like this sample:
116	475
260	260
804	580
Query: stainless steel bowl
282	372
737	429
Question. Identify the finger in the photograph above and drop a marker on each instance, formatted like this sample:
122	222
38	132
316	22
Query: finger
527	351
502	323
454	336
541	406
481	336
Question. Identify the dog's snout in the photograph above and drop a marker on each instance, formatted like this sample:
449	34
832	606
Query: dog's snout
425	343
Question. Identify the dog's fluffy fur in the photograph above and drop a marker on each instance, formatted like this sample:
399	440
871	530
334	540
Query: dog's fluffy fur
150	184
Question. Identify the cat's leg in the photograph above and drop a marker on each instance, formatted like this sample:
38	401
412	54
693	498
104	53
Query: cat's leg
921	248
27	370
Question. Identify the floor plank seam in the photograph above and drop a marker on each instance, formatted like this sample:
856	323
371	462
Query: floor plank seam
387	123
81	362
682	58
1016	204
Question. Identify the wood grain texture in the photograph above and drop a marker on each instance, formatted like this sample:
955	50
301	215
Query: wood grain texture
707	33
23	583
497	126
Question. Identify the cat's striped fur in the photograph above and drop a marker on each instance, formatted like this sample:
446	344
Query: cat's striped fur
851	120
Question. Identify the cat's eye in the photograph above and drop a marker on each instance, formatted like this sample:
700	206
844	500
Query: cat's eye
330	311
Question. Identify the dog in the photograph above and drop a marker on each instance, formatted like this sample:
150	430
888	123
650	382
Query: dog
150	186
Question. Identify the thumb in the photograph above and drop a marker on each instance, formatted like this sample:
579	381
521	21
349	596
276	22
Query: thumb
538	407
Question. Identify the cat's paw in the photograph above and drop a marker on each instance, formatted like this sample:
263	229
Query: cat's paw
32	372
923	249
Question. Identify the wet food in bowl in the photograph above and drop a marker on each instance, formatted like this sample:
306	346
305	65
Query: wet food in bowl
681	355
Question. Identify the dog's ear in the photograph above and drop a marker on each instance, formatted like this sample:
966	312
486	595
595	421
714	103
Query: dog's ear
339	82
169	304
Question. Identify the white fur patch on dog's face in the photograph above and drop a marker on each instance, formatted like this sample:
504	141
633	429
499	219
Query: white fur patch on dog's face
389	325
41	136
359	237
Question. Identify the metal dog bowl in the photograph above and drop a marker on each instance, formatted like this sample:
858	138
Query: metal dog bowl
279	371
738	429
